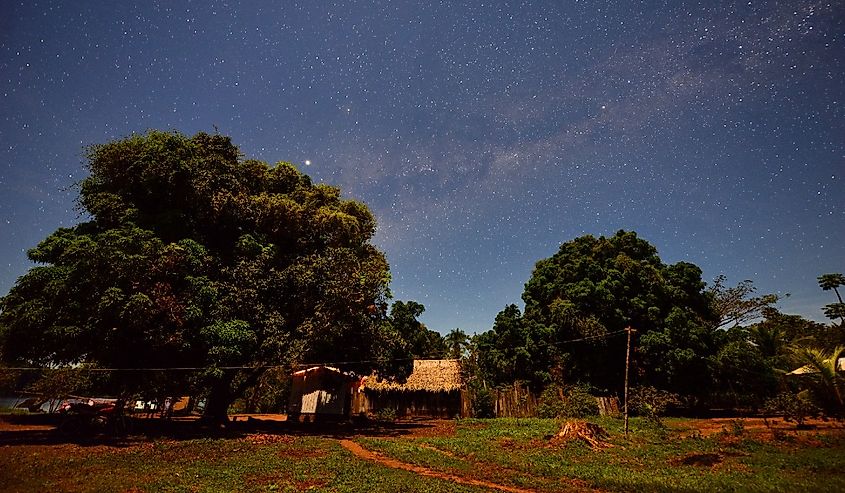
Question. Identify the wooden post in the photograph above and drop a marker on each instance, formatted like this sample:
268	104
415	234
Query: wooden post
629	330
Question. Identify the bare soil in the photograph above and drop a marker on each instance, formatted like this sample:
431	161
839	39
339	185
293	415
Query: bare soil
758	428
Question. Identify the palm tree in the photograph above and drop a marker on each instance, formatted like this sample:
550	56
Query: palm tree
456	342
822	369
833	281
772	341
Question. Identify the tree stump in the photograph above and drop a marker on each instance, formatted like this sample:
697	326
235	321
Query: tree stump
594	435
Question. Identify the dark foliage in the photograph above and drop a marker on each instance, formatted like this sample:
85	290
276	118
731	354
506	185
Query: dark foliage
196	257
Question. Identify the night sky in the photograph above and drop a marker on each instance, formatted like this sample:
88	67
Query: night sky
481	135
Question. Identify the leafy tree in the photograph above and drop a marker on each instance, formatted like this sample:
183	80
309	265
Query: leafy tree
57	384
514	350
736	306
677	355
471	372
422	342
596	286
196	257
834	310
742	373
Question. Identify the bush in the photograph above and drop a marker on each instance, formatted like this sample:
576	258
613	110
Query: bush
734	427
577	402
651	403
793	407
482	403
551	404
386	415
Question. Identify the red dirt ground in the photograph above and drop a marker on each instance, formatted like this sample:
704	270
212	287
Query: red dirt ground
37	434
758	428
363	453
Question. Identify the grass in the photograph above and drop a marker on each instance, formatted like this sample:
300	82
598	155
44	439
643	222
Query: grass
515	452
504	451
13	410
299	464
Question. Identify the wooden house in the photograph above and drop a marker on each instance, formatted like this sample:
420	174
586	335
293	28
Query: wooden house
320	392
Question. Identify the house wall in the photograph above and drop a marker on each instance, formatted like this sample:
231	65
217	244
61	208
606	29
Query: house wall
318	393
409	404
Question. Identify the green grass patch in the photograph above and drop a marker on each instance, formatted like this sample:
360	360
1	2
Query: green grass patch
513	452
302	464
517	452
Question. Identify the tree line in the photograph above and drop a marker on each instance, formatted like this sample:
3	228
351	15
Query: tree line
715	346
192	256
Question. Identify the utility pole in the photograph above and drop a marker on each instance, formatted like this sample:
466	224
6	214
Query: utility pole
629	330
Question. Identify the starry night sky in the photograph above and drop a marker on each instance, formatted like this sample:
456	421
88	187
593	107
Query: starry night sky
482	135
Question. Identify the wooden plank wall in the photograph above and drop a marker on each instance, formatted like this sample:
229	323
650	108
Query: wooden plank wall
514	402
409	404
510	402
608	406
518	401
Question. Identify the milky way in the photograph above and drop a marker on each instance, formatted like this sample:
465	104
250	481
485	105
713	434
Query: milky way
482	136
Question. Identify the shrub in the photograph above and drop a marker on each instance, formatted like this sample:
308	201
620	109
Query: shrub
551	404
482	403
651	403
576	402
734	427
793	407
386	415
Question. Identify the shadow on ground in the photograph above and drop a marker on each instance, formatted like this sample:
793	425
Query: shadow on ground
42	429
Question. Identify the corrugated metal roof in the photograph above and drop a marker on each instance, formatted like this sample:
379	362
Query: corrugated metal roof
317	368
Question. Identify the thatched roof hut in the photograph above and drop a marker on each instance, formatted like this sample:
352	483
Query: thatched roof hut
431	375
433	389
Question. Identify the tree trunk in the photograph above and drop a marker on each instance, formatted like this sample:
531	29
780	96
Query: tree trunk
217	404
222	395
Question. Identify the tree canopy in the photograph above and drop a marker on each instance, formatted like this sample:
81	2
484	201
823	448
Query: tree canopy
735	305
422	342
196	257
587	292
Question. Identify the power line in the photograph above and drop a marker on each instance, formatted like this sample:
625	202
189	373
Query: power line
268	367
588	338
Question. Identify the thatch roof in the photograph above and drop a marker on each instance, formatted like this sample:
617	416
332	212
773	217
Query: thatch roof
433	375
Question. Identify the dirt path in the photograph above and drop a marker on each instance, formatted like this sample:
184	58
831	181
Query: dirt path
424	471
